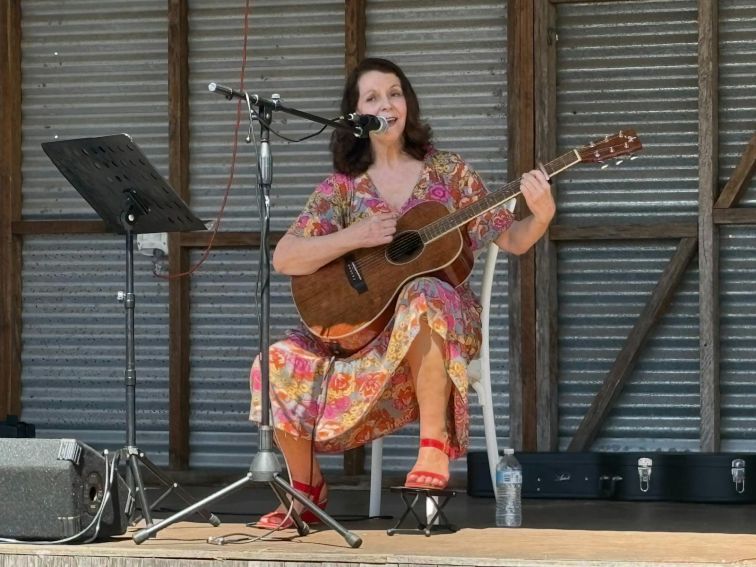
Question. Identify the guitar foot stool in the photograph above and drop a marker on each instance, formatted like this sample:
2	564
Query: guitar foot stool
438	498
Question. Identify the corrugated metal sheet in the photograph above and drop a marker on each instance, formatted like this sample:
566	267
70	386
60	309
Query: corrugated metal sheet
74	343
737	86
89	69
737	336
603	287
455	56
295	49
737	123
628	64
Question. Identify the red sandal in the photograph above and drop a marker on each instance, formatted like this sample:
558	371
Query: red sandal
279	520
443	479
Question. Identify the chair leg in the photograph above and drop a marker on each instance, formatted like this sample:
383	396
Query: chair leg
376	477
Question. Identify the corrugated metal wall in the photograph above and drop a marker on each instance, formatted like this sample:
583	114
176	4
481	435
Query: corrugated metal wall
737	123
737	85
620	64
634	64
90	68
628	64
455	55
295	49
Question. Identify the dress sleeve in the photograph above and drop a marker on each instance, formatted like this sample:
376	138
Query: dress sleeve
485	228
325	210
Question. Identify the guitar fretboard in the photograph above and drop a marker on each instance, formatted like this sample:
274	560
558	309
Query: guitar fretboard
454	220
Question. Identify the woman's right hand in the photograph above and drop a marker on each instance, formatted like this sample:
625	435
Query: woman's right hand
373	231
298	255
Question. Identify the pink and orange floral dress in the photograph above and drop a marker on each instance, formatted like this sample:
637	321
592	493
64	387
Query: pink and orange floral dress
370	394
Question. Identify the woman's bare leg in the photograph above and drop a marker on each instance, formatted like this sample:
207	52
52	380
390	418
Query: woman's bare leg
432	389
303	466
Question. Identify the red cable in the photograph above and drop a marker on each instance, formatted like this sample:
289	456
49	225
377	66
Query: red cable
206	251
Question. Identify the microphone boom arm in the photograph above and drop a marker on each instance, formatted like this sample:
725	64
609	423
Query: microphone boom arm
276	104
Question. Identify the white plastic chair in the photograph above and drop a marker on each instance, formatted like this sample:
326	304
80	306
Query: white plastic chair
479	374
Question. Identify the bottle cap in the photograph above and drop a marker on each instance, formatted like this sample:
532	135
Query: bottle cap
509	451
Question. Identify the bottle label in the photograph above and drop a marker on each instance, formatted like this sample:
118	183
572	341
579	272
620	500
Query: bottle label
509	477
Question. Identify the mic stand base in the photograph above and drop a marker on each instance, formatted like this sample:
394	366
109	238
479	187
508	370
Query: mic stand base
265	468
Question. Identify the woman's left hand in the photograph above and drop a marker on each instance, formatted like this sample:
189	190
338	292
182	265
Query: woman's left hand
537	192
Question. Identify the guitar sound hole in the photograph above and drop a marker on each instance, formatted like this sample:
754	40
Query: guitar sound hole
405	247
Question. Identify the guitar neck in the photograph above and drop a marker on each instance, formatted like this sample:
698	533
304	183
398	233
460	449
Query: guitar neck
458	218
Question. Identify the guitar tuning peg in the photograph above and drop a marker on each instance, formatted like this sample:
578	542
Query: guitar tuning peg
605	166
619	161
633	157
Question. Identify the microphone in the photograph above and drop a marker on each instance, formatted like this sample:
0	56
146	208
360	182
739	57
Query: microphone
366	123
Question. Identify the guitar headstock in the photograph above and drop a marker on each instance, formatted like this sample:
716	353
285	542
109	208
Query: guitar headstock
623	143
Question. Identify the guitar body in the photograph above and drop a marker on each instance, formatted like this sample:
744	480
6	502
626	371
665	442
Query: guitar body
349	301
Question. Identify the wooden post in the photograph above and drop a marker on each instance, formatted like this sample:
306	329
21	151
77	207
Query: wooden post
355	22
546	316
708	256
521	157
178	288
10	208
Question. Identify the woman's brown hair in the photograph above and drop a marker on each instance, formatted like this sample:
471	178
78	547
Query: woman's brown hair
352	155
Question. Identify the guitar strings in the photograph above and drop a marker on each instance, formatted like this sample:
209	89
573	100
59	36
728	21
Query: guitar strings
377	255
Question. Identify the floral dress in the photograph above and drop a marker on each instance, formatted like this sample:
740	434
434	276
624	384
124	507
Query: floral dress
346	402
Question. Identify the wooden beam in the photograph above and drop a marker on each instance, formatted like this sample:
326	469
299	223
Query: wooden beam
708	235
624	231
228	239
10	208
355	22
179	329
521	158
59	227
546	308
355	41
740	178
734	216
625	361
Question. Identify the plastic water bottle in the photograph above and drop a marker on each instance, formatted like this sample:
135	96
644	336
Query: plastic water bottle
508	491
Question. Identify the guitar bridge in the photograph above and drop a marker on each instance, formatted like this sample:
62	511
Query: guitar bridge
353	274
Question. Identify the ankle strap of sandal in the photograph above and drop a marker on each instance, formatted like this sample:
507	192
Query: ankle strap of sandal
436	444
309	489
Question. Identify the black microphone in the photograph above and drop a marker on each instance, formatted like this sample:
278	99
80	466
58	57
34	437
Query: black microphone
366	123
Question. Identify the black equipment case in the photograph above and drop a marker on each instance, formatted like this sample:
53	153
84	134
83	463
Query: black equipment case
547	475
642	476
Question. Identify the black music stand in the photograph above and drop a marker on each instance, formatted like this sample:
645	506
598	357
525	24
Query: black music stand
120	184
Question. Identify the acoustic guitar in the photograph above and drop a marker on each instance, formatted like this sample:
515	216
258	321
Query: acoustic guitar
349	301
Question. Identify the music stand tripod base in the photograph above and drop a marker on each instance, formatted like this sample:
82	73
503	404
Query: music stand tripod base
113	175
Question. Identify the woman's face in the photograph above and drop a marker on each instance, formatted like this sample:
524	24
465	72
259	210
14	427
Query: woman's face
381	94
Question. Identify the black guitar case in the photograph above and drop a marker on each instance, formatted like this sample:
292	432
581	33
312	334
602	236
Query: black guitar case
646	475
719	477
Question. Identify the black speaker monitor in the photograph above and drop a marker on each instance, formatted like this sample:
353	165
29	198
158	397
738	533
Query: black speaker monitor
51	489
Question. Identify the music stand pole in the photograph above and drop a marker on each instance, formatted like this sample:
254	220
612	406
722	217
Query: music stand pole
265	466
117	180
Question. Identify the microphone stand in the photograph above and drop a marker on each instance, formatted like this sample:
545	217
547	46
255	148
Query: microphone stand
265	467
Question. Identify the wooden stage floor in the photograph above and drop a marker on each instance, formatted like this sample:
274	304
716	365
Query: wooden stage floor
554	533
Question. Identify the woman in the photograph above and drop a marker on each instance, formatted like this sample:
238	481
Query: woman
416	369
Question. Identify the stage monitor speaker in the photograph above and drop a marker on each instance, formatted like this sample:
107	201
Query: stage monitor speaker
51	489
